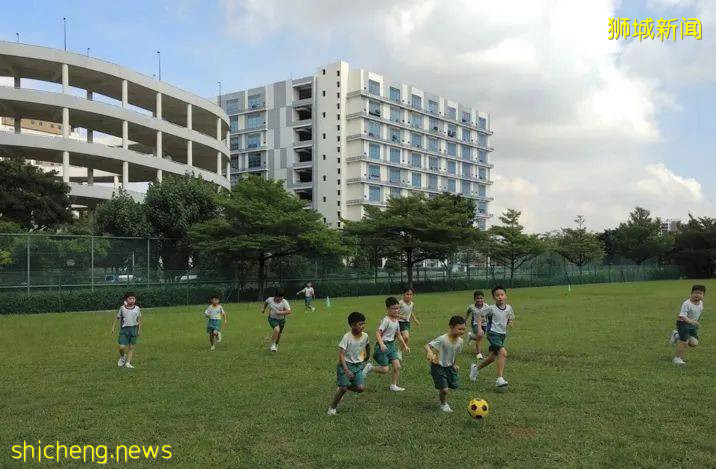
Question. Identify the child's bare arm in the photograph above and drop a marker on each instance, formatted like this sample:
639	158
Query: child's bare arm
429	352
415	317
379	339
226	316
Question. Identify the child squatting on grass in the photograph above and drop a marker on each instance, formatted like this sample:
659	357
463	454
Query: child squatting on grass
215	312
441	353
353	354
686	333
130	324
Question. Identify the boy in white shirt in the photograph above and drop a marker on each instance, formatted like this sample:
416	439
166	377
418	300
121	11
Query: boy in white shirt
129	318
278	310
385	351
309	293
686	333
407	315
441	353
353	353
500	316
215	312
477	311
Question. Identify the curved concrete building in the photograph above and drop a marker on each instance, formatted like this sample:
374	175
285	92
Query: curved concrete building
132	127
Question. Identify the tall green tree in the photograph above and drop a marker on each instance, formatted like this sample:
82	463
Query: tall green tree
418	228
121	216
259	222
695	247
579	246
510	246
33	199
640	238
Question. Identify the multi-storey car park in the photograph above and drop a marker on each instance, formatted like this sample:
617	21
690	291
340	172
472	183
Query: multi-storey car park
346	138
134	127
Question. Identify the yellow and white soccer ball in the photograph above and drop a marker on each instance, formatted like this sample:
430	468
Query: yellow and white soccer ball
478	408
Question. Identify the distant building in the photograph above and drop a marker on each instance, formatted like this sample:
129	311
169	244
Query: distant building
670	225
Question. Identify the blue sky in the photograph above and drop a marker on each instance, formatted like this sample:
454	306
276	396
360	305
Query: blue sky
651	145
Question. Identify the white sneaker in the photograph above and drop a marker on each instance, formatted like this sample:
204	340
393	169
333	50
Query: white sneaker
474	372
367	369
445	407
122	360
673	337
218	336
128	365
274	348
501	382
331	411
678	361
396	388
480	357
313	308
213	347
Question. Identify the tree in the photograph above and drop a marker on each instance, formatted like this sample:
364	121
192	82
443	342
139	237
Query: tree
172	207
640	238
509	246
578	245
417	228
121	216
31	198
260	221
695	247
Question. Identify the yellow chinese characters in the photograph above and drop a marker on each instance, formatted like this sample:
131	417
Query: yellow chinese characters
644	29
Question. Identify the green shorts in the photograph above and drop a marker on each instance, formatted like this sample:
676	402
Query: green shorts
213	325
281	323
474	329
404	326
444	376
128	335
342	380
384	358
497	341
687	331
307	301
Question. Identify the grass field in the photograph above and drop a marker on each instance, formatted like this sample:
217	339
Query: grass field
591	384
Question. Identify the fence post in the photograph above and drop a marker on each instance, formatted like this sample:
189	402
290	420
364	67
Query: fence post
28	265
92	262
148	261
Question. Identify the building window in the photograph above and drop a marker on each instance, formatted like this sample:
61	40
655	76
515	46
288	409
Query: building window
466	117
483	173
481	190
452	130
433	124
374	87
253	121
374	108
373	172
433	163
323	93
467	170
451	167
465	188
374	151
482	208
433	145
232	106
482	122
416	120
416	180
394	94
432	182
466	152
253	140
234	143
324	136
394	175
416	140
416	101
395	192
452	113
466	135
481	224
416	160
234	162
255	101
234	123
432	107
394	134
394	155
254	160
482	140
373	129
451	187
374	193
451	149
395	114
482	156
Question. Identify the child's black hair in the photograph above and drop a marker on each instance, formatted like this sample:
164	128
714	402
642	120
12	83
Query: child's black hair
478	293
355	317
407	289
456	320
390	301
701	288
498	287
215	295
278	292
128	294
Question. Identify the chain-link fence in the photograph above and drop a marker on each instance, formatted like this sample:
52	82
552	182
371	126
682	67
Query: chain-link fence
41	272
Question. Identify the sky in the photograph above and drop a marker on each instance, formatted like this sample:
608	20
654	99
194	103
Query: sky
583	125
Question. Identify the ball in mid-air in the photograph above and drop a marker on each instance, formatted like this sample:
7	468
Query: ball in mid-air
478	408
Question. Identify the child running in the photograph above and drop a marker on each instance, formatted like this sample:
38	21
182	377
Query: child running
215	312
407	314
278	310
309	293
130	324
500	316
353	353
686	333
477	311
385	352
441	353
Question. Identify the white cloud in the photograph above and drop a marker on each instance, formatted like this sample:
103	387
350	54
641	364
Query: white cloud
573	113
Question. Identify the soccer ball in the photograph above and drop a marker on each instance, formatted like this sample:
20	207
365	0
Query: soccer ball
478	408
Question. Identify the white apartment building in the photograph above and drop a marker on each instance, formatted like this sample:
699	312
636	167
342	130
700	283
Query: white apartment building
346	138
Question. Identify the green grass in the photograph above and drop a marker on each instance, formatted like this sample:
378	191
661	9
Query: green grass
591	384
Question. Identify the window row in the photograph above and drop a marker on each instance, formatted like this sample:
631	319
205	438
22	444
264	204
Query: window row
254	140
254	101
376	193
429	181
395	134
252	121
466	153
